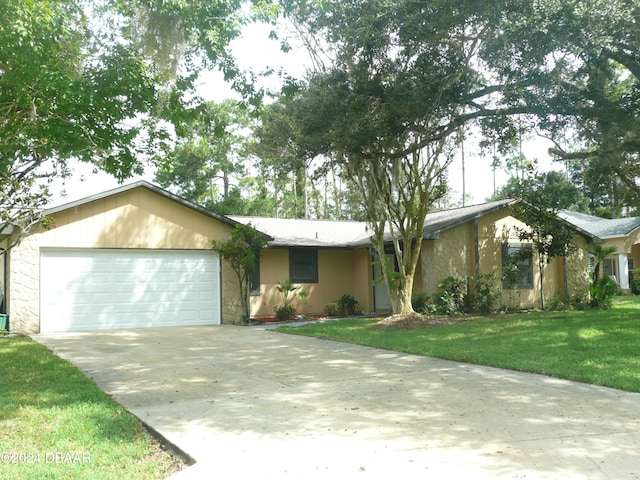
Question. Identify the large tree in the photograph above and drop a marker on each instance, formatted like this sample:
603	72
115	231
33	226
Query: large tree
402	78
97	81
206	161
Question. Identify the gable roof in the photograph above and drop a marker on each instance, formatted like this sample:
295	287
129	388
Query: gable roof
148	186
438	222
604	228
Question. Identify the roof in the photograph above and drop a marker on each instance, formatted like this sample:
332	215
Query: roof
148	186
604	228
337	233
438	222
288	232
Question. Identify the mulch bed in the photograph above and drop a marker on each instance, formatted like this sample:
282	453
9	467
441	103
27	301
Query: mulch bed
409	322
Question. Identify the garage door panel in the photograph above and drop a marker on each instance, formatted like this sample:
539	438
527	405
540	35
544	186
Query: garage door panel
89	289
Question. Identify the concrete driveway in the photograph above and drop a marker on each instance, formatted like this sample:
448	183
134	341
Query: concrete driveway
257	404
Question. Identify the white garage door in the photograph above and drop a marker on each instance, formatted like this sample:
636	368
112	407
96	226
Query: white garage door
92	289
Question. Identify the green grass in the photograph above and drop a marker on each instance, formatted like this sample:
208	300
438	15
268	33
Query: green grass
599	347
56	424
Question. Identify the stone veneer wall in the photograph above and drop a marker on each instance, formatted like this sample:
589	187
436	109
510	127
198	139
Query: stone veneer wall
24	286
230	297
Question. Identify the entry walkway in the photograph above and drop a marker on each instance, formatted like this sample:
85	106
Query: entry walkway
248	403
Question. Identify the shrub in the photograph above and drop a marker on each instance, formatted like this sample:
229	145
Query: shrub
332	309
451	300
558	303
635	282
345	305
291	294
420	301
601	292
457	296
285	312
348	305
488	294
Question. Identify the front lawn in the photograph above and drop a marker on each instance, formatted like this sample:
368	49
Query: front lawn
56	424
601	347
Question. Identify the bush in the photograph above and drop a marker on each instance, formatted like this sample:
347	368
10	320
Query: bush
601	293
420	301
488	294
558	303
332	309
452	298
635	282
285	312
457	296
345	305
349	305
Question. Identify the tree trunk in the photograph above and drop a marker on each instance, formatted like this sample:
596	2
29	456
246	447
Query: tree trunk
400	296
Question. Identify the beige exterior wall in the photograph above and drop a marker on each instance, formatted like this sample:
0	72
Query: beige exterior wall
454	254
340	272
137	218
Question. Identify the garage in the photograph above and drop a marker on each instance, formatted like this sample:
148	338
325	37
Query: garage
95	289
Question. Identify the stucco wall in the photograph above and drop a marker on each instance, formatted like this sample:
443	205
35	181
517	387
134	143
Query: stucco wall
137	218
453	254
340	271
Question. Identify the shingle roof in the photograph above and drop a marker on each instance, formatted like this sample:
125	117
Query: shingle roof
601	227
332	233
437	222
309	233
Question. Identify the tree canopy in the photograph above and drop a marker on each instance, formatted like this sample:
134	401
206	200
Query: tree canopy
400	80
101	82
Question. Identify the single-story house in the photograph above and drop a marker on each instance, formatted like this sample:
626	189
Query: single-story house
621	233
331	258
139	256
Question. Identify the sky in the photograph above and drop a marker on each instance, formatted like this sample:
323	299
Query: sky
256	51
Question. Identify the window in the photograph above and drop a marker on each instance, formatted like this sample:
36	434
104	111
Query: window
303	265
517	266
254	281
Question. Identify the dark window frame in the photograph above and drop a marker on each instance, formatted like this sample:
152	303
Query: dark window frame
524	265
303	265
254	280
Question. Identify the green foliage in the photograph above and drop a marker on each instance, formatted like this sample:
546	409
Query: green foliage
594	346
332	309
538	208
421	302
285	313
205	160
601	293
554	186
242	251
98	82
291	294
348	304
488	296
599	253
453	298
50	406
635	282
460	295
344	306
559	303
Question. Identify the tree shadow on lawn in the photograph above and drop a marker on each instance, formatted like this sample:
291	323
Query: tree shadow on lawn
58	409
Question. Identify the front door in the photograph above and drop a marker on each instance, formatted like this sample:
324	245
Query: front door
382	303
